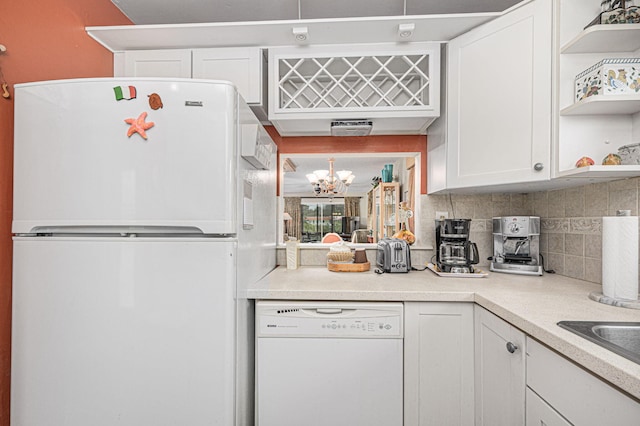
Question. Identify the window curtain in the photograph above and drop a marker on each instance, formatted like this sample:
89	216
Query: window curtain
411	196
293	206
370	197
351	206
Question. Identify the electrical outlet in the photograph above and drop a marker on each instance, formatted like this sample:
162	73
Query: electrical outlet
442	215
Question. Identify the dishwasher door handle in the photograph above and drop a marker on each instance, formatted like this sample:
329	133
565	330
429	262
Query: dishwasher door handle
329	311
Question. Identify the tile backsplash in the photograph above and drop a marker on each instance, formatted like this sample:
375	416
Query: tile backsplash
571	224
571	221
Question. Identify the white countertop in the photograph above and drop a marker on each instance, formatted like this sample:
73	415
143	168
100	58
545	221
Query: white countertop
532	304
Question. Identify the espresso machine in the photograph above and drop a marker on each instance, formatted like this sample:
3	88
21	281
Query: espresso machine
455	253
516	245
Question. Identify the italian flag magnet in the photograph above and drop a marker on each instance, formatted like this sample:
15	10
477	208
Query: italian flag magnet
124	92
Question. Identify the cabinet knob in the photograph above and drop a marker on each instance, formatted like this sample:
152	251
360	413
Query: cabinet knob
538	167
511	347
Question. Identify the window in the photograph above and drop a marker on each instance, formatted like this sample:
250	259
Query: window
320	218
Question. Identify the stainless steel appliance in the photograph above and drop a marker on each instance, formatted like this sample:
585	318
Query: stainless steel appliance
329	363
455	253
516	245
393	255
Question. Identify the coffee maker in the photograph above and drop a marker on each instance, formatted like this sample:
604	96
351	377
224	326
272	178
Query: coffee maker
455	253
516	245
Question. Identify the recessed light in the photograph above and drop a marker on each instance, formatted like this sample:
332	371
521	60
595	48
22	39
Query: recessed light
300	33
406	30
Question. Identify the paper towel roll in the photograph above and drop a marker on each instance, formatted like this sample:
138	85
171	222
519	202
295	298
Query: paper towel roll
620	257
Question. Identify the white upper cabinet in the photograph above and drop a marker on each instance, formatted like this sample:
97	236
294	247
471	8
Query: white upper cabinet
499	100
170	63
396	86
512	121
241	65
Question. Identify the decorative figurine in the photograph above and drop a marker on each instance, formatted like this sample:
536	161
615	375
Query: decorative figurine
612	160
585	162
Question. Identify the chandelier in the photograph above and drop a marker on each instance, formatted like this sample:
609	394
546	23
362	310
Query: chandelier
326	182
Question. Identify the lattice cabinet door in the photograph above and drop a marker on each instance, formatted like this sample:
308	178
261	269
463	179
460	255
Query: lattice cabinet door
356	81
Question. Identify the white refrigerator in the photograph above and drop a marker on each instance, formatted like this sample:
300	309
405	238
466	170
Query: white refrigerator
143	209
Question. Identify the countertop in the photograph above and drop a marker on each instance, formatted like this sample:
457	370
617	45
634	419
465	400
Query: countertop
532	304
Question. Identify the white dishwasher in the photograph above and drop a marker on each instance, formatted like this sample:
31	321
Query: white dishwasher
329	363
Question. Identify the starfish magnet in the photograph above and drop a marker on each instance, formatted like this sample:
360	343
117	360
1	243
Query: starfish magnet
138	125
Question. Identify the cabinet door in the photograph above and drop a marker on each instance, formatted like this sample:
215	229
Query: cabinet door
158	63
438	370
241	66
499	100
539	413
499	371
396	85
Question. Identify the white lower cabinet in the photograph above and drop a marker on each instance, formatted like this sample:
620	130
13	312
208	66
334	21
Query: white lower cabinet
463	365
438	369
539	413
499	371
579	397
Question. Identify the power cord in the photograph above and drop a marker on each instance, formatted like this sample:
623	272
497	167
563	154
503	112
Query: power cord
548	271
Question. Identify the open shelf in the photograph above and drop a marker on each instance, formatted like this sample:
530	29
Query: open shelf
605	38
604	105
601	172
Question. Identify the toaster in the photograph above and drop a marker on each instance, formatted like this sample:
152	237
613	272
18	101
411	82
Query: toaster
393	255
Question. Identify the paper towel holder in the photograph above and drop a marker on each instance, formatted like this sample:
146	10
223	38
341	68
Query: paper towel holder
622	303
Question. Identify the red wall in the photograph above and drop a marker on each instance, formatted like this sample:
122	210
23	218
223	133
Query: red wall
45	40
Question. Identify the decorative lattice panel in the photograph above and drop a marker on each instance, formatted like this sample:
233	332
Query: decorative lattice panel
345	82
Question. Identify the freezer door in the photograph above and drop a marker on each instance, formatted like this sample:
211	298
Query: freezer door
123	331
75	164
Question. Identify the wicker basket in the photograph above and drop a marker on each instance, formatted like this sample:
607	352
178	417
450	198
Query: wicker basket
340	256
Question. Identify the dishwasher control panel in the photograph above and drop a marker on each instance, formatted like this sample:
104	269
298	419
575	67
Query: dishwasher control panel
329	319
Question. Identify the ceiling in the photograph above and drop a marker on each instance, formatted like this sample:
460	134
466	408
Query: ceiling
363	166
199	11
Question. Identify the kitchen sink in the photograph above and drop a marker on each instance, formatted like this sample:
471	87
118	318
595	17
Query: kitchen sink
622	338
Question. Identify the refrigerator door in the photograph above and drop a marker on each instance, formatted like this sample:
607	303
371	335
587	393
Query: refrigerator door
76	166
126	331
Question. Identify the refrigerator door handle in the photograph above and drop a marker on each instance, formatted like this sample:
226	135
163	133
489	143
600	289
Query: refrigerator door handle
116	230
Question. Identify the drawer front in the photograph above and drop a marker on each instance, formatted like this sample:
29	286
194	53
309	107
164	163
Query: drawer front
539	413
577	395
